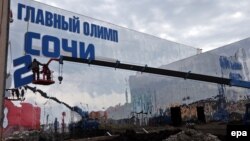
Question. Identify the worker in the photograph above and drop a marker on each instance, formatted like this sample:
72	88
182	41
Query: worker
46	72
35	69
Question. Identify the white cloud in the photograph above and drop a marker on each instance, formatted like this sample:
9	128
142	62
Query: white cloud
195	23
238	15
198	31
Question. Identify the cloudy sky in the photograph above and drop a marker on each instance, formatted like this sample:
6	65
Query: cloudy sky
205	24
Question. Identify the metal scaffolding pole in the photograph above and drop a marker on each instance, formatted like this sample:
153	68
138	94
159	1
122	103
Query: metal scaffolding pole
4	37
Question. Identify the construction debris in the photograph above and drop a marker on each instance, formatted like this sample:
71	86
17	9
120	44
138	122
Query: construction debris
24	136
192	135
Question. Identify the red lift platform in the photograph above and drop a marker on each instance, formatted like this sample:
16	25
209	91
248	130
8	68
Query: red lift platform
45	80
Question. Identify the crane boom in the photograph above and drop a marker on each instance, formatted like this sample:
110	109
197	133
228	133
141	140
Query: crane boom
186	75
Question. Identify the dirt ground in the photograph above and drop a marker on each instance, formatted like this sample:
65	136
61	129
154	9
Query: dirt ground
212	131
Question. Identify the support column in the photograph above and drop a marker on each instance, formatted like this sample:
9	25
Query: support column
4	37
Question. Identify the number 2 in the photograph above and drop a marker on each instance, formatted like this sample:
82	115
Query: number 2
18	79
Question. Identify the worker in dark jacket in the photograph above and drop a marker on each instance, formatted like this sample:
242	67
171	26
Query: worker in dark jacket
46	72
35	69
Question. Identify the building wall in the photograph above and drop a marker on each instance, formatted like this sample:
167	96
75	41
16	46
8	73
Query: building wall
153	92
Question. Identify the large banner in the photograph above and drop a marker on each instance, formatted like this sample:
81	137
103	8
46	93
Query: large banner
42	30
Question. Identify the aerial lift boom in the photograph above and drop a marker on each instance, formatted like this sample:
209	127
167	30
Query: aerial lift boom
186	75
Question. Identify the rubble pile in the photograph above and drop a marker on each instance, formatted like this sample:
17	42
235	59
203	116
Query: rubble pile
191	134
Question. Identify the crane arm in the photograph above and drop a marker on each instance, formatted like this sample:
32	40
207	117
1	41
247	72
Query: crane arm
51	61
160	71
